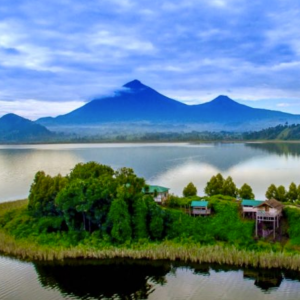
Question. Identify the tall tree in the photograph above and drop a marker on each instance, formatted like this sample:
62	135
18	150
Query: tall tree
119	221
281	194
190	190
245	192
292	194
271	192
229	187
215	185
43	192
139	219
156	225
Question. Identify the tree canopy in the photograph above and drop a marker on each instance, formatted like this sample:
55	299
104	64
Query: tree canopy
190	190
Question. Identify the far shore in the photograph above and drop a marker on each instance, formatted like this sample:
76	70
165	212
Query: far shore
156	142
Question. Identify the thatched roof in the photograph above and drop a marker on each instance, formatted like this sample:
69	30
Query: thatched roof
273	203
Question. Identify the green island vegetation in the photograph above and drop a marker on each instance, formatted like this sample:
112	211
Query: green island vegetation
97	212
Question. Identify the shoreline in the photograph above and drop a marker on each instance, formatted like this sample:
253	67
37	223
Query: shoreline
167	250
156	142
220	253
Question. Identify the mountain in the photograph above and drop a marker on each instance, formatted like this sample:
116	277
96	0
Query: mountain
138	104
14	128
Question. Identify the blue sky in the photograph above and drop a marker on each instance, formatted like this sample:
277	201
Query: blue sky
57	54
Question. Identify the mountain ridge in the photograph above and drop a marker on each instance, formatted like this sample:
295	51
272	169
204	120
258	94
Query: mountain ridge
14	128
138	103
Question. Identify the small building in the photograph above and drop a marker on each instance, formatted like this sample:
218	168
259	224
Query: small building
159	193
250	207
268	213
200	208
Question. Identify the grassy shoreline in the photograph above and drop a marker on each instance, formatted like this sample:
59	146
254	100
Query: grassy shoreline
221	253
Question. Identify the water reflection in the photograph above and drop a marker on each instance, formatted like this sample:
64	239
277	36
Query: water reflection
128	279
171	165
107	279
281	149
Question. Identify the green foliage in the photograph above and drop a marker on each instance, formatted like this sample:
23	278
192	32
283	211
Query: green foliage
180	202
229	188
281	194
271	192
43	192
190	190
293	217
139	219
292	194
220	186
119	221
90	170
156	224
278	193
245	192
279	132
215	185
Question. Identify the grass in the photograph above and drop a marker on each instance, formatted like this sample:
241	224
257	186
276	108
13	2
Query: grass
185	249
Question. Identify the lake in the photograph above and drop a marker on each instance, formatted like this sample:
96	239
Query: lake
127	279
171	165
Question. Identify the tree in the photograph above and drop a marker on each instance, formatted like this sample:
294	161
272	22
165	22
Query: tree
292	194
229	187
119	221
90	170
43	192
139	219
271	192
281	194
189	190
156	225
245	192
215	185
73	204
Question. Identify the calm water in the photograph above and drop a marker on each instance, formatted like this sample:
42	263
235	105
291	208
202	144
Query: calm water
142	280
171	165
174	166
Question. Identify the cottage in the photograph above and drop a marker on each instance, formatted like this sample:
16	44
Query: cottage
250	207
200	208
269	212
159	193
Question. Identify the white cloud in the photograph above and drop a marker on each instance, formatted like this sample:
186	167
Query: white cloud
34	109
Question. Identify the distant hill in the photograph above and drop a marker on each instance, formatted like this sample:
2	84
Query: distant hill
14	128
280	132
138	104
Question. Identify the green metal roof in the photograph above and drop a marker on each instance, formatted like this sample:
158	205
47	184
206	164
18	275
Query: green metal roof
199	203
152	188
247	202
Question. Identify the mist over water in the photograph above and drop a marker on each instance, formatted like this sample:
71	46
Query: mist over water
170	165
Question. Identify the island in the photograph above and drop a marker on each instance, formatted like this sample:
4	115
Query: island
96	212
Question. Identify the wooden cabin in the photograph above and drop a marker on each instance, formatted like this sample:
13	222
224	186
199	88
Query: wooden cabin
200	208
269	213
250	207
159	193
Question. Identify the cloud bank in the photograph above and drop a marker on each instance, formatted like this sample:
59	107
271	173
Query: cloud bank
190	50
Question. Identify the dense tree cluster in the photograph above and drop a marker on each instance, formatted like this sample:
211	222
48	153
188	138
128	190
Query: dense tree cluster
95	197
279	132
221	186
281	194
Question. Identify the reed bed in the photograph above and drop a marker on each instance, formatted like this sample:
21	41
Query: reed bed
166	250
